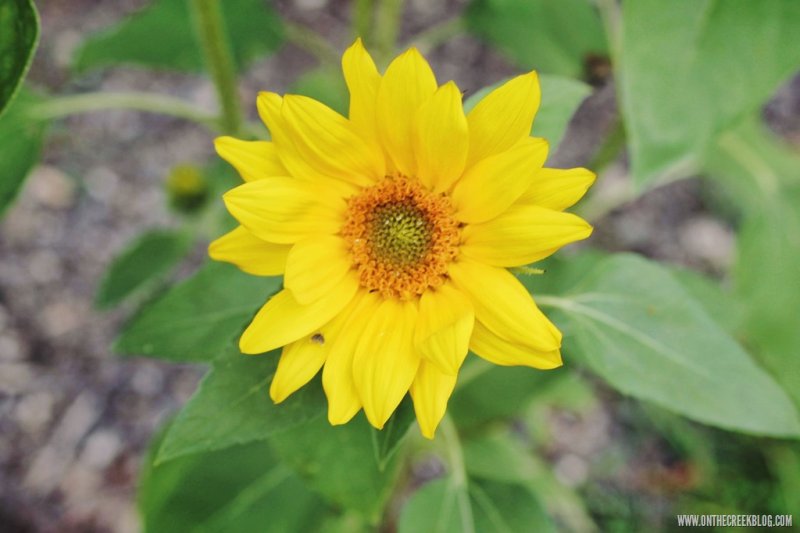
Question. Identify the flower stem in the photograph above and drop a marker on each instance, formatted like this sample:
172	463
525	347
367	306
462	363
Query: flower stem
219	60
437	34
458	472
152	103
387	27
362	20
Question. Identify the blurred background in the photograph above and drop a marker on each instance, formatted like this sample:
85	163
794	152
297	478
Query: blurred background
75	420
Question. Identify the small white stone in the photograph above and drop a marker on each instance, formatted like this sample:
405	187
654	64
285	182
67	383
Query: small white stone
33	411
101	448
51	187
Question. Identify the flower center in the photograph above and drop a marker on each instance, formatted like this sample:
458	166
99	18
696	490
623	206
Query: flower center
401	237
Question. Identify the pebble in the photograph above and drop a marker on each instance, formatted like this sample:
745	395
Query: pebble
101	448
51	187
34	411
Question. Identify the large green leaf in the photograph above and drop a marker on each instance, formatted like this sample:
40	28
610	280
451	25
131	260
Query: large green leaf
232	406
242	488
636	327
148	258
196	319
554	37
162	36
763	177
21	139
560	99
19	34
691	70
338	462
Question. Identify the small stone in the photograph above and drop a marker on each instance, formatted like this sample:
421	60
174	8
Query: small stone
101	448
11	348
147	380
34	411
51	187
708	239
15	378
63	316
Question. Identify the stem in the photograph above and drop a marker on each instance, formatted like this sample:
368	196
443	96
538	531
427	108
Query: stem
152	103
311	42
219	60
439	33
387	27
458	473
362	20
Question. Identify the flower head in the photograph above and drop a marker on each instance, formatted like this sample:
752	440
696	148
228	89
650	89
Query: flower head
394	229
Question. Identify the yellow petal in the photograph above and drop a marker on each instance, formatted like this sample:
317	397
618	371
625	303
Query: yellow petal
337	376
430	391
253	160
522	235
489	187
282	320
502	352
408	82
303	358
315	266
285	210
441	140
558	189
444	325
269	109
299	362
326	141
248	252
504	306
362	80
385	361
503	117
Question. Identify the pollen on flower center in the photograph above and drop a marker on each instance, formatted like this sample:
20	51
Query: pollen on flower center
401	237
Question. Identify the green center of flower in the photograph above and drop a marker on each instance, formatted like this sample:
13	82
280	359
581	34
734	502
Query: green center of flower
401	234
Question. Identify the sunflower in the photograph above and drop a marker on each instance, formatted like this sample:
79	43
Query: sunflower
394	230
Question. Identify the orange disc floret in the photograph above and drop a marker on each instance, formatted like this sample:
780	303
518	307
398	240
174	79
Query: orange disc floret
401	236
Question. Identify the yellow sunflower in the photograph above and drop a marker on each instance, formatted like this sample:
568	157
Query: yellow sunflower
394	229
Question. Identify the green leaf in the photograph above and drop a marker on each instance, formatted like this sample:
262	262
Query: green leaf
21	139
636	327
235	489
691	71
386	441
196	319
232	406
162	36
554	37
149	257
763	177
442	507
326	85
337	462
560	99
19	35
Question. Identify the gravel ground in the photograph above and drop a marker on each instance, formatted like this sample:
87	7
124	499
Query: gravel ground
75	419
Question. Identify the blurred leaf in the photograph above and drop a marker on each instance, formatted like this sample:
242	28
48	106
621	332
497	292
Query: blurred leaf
162	36
232	406
719	303
196	319
690	71
149	257
386	441
441	506
235	489
337	462
764	177
499	392
635	326
19	34
21	139
325	85
560	99
553	37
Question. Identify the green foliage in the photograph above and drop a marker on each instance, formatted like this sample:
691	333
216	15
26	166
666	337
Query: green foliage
636	327
196	319
232	406
689	72
21	139
337	462
151	256
19	35
241	488
764	178
560	98
162	36
385	442
553	37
